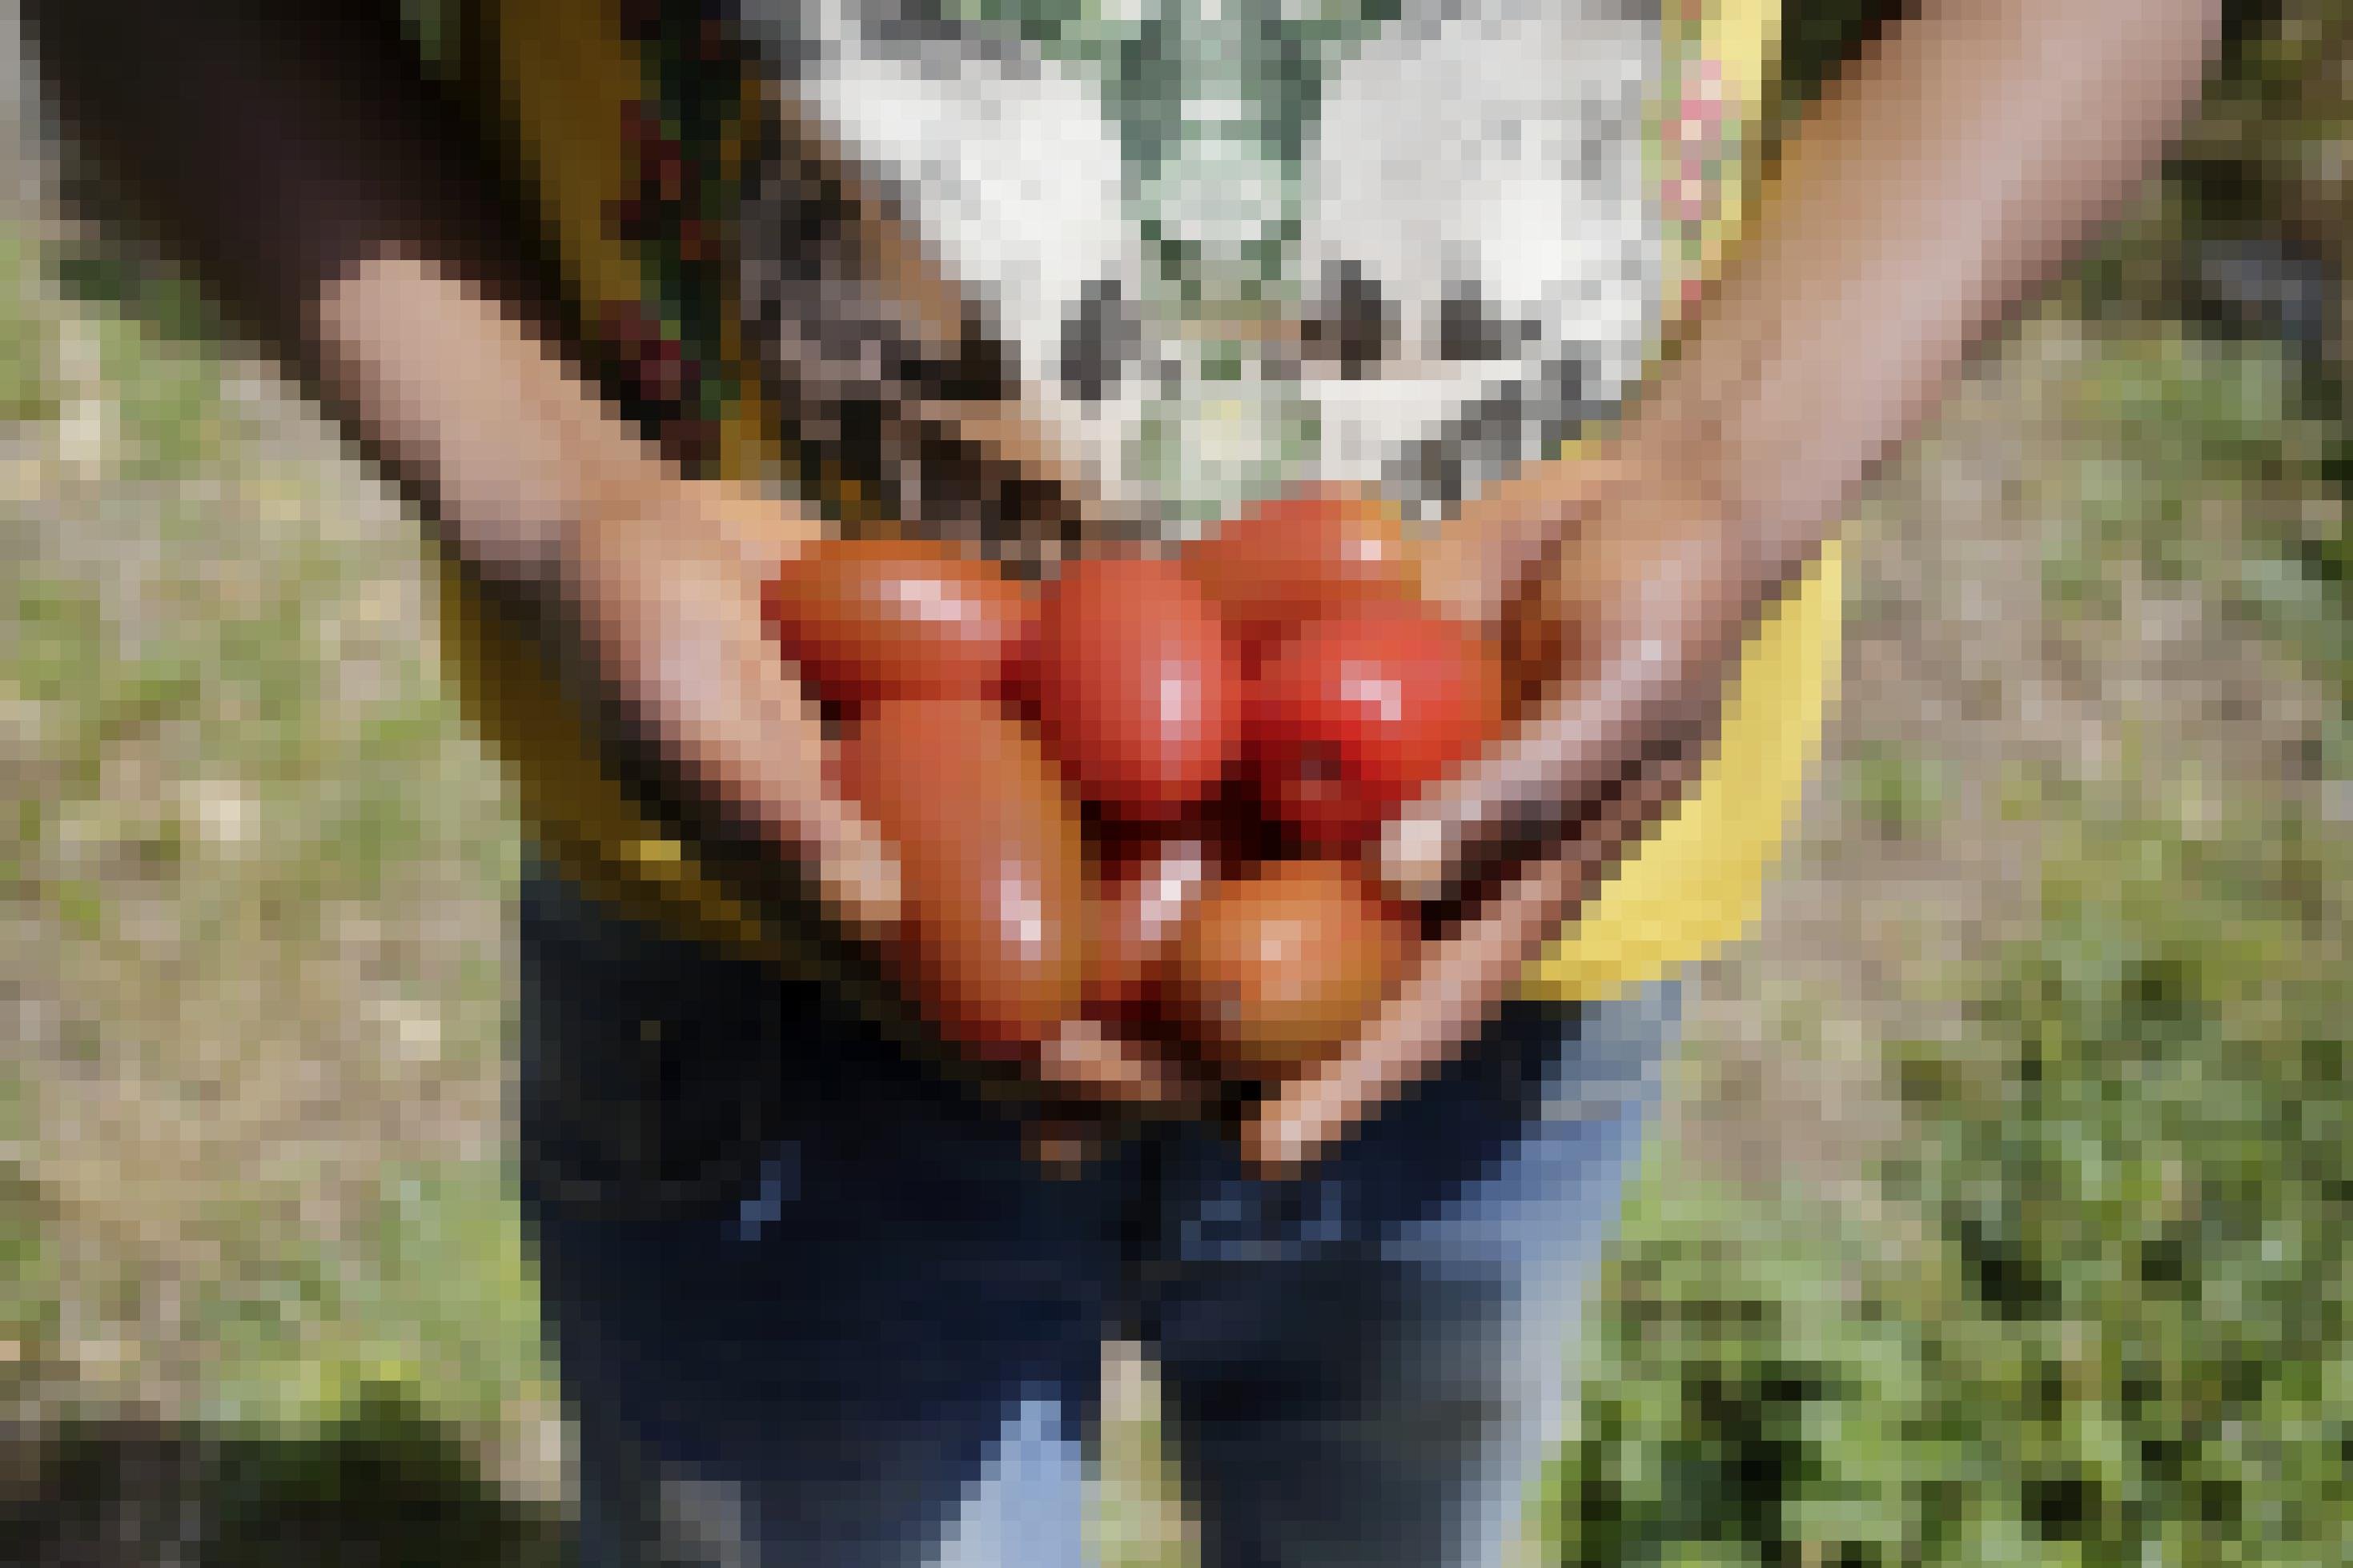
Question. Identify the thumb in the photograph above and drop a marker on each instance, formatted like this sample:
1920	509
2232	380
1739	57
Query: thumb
1472	567
673	611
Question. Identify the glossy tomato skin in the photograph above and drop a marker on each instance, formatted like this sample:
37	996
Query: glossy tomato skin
870	620
1307	556
1146	887
1277	965
992	939
1358	714
1134	687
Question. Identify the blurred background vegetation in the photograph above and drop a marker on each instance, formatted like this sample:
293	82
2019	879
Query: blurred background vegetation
2001	1213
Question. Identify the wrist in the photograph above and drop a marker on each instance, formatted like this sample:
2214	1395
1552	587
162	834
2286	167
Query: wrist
1701	470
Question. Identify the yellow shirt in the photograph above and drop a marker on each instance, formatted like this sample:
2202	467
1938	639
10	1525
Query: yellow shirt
571	80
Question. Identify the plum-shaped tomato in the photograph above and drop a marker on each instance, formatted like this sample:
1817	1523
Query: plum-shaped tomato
870	620
1358	714
1276	966
1305	557
992	865
1134	686
1146	890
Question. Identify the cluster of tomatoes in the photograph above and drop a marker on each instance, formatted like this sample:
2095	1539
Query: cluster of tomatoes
1141	794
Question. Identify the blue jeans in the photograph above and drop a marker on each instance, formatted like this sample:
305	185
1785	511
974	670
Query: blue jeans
813	1305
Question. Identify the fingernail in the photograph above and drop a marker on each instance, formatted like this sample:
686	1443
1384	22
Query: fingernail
866	883
1081	1055
1276	1157
1413	857
1063	1149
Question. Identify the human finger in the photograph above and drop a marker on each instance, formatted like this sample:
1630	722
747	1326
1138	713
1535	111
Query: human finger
667	599
1455	988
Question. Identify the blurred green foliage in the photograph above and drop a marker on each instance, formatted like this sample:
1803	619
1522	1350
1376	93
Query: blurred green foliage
2120	1334
2219	461
385	1485
430	1293
1897	793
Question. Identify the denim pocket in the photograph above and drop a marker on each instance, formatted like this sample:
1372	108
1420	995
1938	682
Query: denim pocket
652	1071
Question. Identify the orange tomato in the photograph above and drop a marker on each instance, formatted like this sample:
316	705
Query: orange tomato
1277	966
870	620
992	865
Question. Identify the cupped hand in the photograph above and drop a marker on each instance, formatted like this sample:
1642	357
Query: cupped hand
660	612
1623	595
660	594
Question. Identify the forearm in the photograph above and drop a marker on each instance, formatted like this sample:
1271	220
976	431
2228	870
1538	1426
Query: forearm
1936	186
298	157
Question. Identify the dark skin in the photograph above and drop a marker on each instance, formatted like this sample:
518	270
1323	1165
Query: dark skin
337	201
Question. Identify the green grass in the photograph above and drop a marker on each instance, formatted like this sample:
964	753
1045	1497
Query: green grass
1897	793
229	713
2121	1333
430	1295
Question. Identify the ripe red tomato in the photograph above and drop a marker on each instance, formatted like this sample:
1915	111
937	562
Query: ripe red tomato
1314	554
867	619
992	865
1358	714
1134	687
